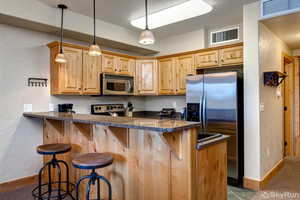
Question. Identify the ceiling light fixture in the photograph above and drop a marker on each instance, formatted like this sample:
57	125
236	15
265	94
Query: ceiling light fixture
60	57
177	13
94	48
146	36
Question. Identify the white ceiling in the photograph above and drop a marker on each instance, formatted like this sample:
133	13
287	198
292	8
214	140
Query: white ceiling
287	28
120	12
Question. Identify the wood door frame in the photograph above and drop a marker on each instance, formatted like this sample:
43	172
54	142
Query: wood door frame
286	59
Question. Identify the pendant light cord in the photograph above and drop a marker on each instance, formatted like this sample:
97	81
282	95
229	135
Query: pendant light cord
94	4
146	8
61	30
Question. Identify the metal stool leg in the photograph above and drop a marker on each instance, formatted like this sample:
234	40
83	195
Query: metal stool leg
98	189
40	179
78	184
88	189
109	186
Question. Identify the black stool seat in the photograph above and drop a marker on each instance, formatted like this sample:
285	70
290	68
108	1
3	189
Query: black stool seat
92	160
51	149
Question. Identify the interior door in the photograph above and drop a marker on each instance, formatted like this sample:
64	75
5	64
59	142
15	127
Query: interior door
220	112
91	74
71	72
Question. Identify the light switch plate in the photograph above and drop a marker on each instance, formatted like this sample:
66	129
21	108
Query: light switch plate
174	104
262	107
27	107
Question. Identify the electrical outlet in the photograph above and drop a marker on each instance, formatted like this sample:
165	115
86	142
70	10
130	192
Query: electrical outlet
51	107
268	152
27	107
174	104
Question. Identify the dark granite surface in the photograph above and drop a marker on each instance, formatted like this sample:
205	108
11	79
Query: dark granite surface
159	125
154	115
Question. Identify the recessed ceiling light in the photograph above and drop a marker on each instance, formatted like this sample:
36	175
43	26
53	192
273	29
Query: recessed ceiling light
177	13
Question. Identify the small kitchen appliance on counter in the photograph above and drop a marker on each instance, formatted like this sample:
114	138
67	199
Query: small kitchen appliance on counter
108	109
67	107
168	113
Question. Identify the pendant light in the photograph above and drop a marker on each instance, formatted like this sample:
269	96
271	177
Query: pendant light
60	57
94	48
146	36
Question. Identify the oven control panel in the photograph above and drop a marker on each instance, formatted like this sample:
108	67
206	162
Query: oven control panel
107	108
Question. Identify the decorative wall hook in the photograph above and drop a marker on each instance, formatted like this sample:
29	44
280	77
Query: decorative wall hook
274	78
37	82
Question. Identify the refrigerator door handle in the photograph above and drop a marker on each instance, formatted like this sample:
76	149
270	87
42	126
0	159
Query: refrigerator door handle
204	112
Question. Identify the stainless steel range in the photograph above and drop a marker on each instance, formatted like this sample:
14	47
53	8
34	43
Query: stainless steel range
108	109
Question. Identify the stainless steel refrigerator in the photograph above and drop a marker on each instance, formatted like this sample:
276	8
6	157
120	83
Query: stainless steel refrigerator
215	98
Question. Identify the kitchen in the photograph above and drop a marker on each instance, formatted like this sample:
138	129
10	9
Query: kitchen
159	81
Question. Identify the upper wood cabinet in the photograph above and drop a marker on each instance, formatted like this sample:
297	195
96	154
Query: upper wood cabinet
146	77
91	71
184	66
233	55
207	59
78	76
109	63
167	74
117	64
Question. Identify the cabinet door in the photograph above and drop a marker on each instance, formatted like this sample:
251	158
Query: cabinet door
166	76
109	63
231	56
207	59
91	74
146	77
123	66
184	66
70	73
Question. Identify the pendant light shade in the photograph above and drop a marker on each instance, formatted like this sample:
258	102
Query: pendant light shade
146	37
60	57
94	48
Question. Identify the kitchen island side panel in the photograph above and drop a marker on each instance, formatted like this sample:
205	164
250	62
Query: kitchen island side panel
147	164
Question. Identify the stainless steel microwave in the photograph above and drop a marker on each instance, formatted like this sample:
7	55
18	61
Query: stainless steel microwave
112	84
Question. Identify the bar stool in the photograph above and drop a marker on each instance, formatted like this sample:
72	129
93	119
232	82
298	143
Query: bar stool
50	192
93	161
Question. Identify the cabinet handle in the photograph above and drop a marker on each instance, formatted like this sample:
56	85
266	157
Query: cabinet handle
216	61
222	60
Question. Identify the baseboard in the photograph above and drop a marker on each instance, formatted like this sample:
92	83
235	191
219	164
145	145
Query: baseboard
261	184
18	183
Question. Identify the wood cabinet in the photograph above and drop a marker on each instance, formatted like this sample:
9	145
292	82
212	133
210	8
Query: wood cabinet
91	71
108	63
207	59
229	56
146	77
117	64
78	76
184	66
167	74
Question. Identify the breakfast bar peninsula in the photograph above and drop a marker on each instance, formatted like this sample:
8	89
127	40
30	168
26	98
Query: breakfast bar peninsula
154	159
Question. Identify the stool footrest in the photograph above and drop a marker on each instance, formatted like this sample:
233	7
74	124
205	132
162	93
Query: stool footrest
53	194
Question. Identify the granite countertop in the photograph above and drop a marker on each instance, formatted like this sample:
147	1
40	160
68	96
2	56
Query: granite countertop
159	125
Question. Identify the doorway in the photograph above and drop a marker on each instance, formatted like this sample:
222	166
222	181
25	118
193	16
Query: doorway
289	105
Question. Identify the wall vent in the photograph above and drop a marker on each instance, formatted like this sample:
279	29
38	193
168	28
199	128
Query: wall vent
271	8
225	35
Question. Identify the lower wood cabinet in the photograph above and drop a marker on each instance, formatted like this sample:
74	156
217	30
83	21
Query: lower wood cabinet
78	76
146	77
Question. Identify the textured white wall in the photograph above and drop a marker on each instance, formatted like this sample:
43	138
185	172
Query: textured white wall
271	120
24	54
181	43
251	91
